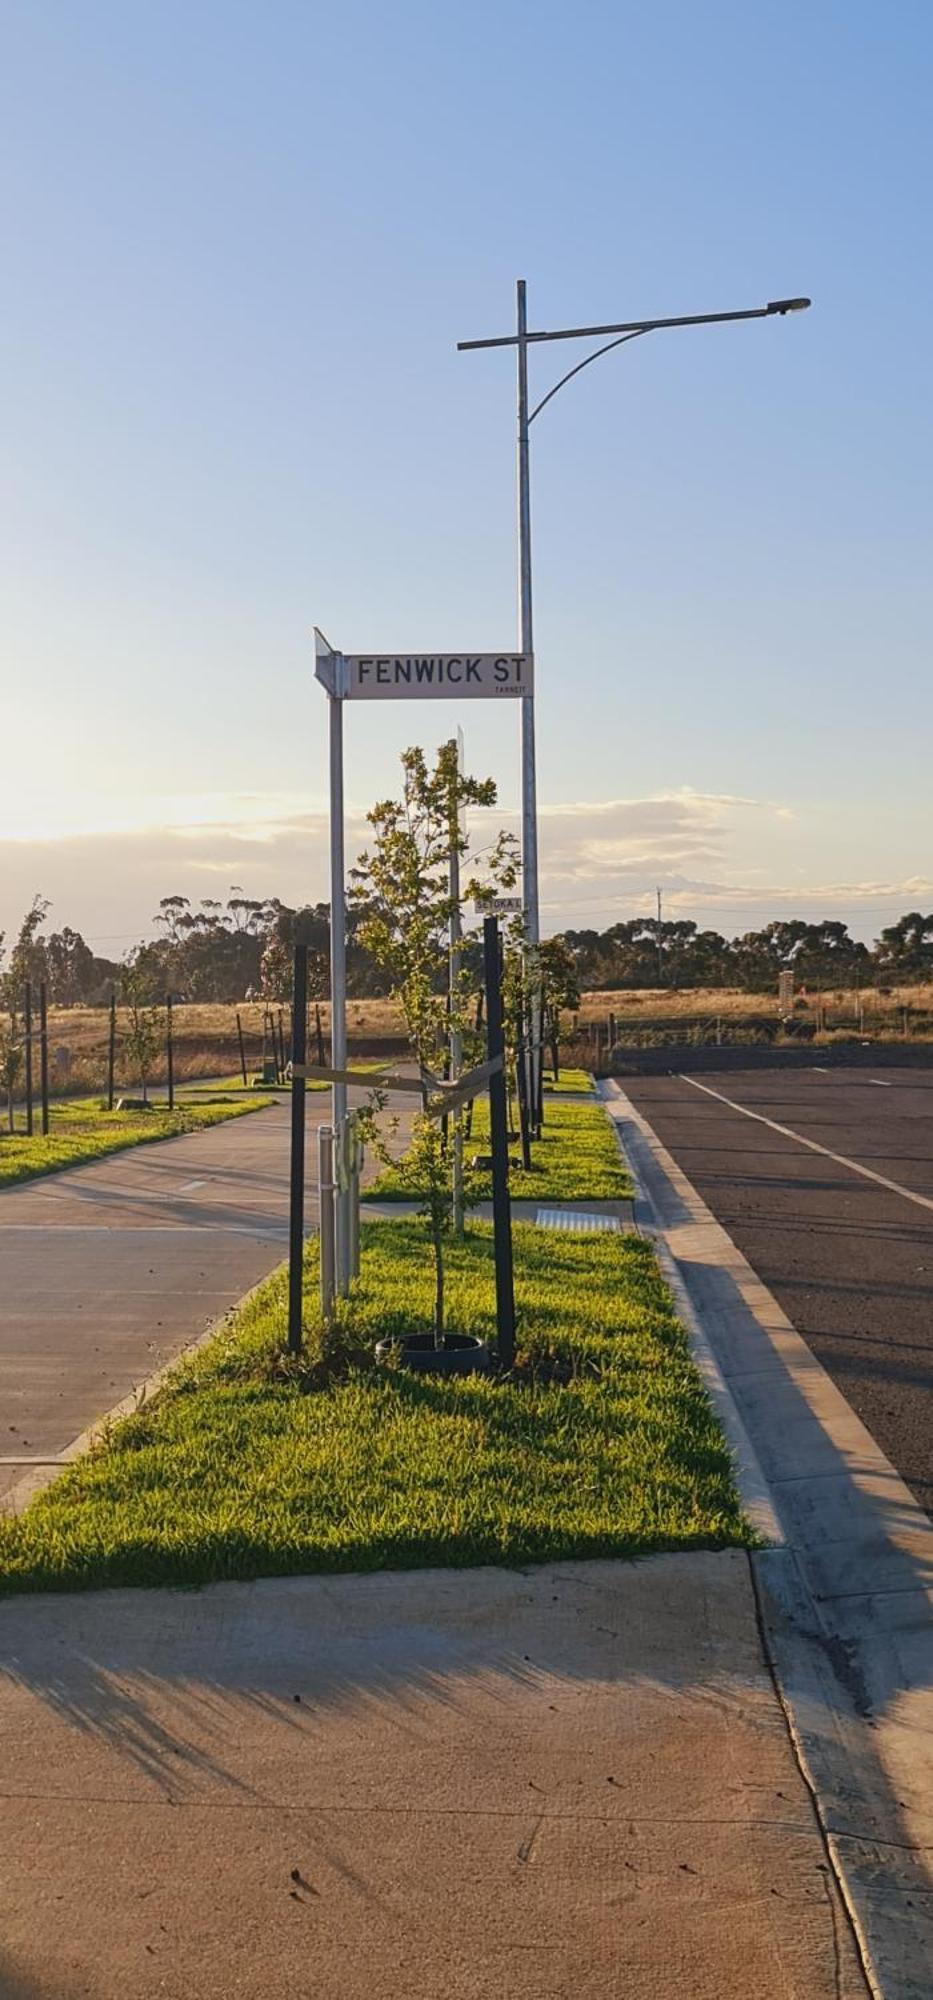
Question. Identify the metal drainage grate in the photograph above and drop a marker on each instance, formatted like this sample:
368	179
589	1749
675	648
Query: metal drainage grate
575	1219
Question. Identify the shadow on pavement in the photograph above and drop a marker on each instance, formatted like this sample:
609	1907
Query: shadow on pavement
417	1783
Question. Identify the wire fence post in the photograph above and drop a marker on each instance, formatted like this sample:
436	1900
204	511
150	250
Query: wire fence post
27	1024
111	1049
296	1223
170	1051
498	1131
44	1055
282	1060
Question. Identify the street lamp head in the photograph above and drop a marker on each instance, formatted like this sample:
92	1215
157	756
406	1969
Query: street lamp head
788	305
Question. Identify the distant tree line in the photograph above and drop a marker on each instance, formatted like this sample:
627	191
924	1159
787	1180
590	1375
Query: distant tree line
640	952
222	951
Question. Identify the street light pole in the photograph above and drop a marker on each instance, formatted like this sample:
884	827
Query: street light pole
526	637
521	340
532	923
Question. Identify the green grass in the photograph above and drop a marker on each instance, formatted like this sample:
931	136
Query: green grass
80	1131
576	1080
239	1468
576	1159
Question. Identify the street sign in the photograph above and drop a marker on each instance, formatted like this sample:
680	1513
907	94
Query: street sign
445	676
386	677
498	906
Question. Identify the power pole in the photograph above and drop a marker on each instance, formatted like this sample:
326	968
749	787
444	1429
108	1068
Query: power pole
660	945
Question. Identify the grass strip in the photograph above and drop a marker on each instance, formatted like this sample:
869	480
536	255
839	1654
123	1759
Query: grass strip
243	1468
579	1081
577	1158
80	1130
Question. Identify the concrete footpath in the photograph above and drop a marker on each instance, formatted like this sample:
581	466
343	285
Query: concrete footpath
576	1782
109	1270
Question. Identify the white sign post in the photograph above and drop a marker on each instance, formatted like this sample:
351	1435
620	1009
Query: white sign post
385	677
330	671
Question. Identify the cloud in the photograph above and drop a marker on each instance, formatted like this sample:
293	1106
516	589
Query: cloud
629	840
716	856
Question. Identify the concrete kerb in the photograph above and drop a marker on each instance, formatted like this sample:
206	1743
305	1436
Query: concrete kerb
845	1591
754	1491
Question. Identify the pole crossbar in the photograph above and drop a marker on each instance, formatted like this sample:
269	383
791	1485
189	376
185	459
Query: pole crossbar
442	1097
372	1079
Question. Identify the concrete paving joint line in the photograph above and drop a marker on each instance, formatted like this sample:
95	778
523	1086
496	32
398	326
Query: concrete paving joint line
844	1584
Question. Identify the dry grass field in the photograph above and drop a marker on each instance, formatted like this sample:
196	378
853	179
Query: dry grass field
710	1014
733	1003
206	1041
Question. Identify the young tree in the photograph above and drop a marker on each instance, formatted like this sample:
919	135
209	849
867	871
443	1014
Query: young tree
27	958
11	1062
401	888
560	980
144	1031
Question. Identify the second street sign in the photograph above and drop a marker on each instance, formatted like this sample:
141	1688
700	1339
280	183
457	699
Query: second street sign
448	676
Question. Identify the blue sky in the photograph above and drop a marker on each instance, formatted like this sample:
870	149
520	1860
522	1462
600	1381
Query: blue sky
240	243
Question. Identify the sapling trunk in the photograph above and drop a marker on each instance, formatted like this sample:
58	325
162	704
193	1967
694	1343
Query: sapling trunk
437	1228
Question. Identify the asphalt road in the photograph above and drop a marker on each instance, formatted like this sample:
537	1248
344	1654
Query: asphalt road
850	1260
107	1271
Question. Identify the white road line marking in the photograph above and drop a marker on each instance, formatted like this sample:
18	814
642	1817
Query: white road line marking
881	1082
819	1068
841	1159
186	1186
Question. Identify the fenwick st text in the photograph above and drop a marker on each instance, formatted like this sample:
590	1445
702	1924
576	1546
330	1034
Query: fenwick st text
380	677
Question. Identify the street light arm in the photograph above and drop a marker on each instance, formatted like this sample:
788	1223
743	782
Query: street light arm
571	372
774	306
